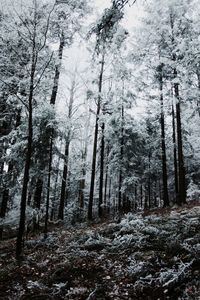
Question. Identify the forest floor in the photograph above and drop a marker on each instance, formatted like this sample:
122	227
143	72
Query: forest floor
142	256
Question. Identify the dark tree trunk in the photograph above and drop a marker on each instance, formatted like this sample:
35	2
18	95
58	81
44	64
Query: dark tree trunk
106	181
155	195
181	166
120	196
175	154
198	101
4	203
109	193
135	198
160	193
146	197
81	192
148	204
94	155
19	243
64	184
141	196
57	70
48	188
164	157
1	170
101	171
38	193
149	193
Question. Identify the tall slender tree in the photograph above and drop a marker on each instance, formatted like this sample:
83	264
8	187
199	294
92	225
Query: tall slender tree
94	155
162	123
181	165
66	155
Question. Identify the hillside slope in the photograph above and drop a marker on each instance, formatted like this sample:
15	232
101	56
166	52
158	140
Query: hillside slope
141	257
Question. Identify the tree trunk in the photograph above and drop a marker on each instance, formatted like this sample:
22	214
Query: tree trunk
82	180
57	70
135	197
64	184
146	197
39	184
4	203
94	155
148	204
198	101
81	193
101	171
106	181
175	154
65	169
19	244
52	102
38	193
109	193
120	205
141	196
155	195
181	166
48	189
164	157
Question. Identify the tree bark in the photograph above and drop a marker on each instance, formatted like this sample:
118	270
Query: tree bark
57	70
120	204
65	169
94	155
52	102
38	193
48	188
101	171
4	204
175	154
181	166
106	181
64	184
164	157
141	196
198	101
19	243
82	180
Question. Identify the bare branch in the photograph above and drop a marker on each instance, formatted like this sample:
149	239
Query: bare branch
24	23
47	27
44	69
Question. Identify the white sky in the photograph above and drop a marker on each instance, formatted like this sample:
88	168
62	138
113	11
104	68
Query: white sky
132	16
78	55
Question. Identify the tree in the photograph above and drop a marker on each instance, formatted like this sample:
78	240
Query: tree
92	182
37	45
162	123
66	155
